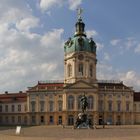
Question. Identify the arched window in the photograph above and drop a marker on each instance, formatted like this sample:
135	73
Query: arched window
109	105
33	106
51	106
60	104
79	101
119	105
69	70
81	67
42	106
70	102
127	106
91	70
90	102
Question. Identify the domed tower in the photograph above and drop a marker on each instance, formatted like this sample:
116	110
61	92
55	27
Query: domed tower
80	56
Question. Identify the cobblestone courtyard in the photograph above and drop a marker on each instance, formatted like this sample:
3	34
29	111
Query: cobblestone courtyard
59	133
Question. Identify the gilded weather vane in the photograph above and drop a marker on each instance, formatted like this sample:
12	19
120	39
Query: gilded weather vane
79	12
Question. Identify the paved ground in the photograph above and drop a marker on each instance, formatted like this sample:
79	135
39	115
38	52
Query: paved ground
59	133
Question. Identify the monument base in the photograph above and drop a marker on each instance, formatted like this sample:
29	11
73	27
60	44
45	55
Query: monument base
83	121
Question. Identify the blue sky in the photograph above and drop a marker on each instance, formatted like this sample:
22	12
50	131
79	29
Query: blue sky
32	34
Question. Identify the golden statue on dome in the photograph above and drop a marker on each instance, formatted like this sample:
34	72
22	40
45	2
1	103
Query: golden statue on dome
79	12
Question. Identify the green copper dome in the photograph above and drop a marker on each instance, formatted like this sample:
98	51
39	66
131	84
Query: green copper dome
80	42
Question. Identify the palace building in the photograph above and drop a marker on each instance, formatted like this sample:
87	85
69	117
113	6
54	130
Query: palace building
58	102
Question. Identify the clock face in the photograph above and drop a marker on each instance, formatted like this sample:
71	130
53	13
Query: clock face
80	57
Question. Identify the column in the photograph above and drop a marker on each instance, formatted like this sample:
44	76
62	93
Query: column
74	68
37	103
86	69
75	103
64	119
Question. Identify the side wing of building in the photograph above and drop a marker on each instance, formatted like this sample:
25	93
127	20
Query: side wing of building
115	103
137	107
13	109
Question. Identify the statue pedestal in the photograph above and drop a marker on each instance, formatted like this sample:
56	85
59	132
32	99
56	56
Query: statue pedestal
83	121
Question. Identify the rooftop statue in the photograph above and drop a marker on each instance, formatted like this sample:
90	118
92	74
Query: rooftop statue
79	12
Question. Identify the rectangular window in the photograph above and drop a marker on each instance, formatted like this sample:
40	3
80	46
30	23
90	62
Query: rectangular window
51	96
42	106
119	106
13	119
60	106
25	119
100	105
51	120
81	69
70	102
33	106
60	120
91	71
42	119
110	106
1	119
6	119
19	108
51	106
127	106
19	119
69	70
0	108
6	108
25	108
33	120
13	108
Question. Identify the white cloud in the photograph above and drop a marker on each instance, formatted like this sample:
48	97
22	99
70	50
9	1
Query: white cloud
30	57
27	23
74	4
91	33
124	44
137	49
51	38
106	56
26	57
12	11
131	78
115	42
46	5
100	46
130	43
104	71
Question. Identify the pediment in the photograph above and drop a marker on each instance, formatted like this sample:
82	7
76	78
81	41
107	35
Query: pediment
80	85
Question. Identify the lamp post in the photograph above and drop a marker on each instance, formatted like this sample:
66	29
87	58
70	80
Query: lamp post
104	111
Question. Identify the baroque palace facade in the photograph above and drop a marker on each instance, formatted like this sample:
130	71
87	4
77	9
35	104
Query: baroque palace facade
58	102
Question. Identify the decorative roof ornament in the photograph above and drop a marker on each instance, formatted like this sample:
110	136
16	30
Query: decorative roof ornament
79	13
